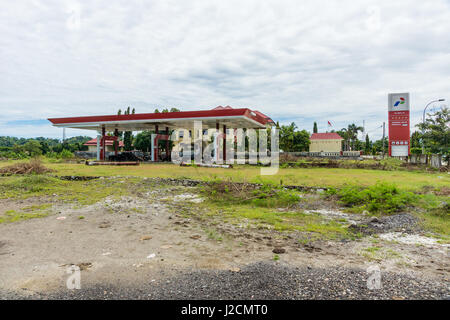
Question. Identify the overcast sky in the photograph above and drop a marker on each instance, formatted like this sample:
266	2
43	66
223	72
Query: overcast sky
300	61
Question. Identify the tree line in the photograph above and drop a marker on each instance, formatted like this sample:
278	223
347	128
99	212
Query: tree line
20	148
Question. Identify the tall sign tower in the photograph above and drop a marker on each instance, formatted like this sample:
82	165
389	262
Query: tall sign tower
399	135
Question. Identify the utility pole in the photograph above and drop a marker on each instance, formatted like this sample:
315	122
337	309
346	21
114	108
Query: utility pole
64	135
384	131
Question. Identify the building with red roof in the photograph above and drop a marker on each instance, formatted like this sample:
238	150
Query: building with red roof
92	145
325	142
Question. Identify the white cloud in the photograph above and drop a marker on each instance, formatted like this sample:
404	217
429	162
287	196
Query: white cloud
295	61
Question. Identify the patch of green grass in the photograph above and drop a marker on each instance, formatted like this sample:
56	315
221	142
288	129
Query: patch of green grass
379	254
283	221
276	257
137	210
79	192
372	249
13	216
436	223
372	254
37	207
212	234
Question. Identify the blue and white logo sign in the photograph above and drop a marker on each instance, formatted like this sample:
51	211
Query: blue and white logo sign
398	101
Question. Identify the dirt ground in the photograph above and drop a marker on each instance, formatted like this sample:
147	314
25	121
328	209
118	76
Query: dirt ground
121	242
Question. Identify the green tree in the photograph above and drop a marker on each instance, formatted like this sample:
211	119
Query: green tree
345	134
44	147
301	141
377	146
415	139
416	146
436	132
287	137
350	136
143	141
33	148
19	149
367	146
315	127
292	140
128	135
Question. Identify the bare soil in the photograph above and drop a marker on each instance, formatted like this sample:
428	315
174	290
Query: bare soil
120	242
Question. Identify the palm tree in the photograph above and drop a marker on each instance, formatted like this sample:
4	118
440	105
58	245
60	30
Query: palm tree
345	134
353	129
350	135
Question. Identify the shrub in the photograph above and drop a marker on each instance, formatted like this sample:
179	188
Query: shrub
52	155
381	197
391	163
274	197
13	155
66	154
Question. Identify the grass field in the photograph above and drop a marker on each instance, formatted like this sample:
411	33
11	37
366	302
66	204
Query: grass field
324	177
88	192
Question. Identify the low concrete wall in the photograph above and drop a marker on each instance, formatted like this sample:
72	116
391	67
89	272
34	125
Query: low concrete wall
433	160
329	155
436	160
89	155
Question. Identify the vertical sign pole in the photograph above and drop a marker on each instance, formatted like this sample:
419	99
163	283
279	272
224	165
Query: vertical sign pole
98	145
399	123
384	126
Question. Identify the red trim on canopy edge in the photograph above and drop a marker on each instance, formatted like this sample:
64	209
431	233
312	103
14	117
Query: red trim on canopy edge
163	116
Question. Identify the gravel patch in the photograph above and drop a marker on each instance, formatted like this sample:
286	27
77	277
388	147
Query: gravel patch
265	280
403	222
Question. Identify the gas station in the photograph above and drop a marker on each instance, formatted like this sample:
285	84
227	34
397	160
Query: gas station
222	119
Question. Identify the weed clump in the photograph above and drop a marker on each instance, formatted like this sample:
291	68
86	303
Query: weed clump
264	195
34	166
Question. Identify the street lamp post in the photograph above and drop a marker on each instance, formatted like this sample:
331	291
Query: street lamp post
423	122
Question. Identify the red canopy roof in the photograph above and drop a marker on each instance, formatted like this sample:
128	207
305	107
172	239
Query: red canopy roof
326	135
262	115
238	118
